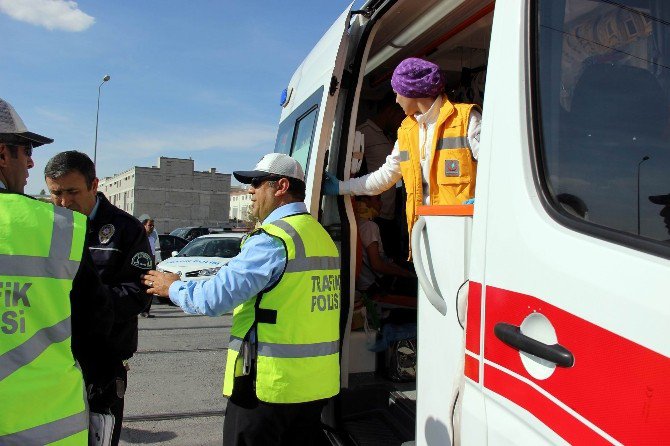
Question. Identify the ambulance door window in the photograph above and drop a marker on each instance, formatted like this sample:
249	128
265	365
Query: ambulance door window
603	88
296	132
304	136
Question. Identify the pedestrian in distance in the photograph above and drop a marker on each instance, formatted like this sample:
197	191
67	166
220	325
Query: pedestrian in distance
54	309
284	286
121	253
152	234
437	147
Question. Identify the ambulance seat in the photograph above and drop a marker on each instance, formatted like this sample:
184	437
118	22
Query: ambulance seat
384	300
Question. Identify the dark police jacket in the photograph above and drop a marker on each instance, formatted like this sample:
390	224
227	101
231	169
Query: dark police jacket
120	249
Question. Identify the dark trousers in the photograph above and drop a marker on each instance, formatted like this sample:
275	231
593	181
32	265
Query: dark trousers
117	404
266	424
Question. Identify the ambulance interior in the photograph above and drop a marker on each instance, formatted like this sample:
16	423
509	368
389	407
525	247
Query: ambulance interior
381	396
380	399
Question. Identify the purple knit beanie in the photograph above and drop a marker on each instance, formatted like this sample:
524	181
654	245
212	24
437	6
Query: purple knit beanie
417	78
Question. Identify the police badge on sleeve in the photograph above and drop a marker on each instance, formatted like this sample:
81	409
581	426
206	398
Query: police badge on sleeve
105	234
142	260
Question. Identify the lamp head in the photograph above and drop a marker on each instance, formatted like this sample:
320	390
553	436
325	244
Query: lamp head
106	78
645	158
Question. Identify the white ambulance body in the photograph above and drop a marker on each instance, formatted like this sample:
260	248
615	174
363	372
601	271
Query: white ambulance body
543	311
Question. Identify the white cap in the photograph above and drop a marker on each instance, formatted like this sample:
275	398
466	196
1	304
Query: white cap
13	130
272	164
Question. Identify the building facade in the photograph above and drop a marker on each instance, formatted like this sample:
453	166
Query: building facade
173	193
240	204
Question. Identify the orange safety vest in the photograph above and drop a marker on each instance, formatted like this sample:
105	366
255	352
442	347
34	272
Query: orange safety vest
452	167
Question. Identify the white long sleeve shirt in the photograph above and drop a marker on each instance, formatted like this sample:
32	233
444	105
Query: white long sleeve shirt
389	173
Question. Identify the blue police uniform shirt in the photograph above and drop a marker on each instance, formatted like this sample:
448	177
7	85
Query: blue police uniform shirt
259	265
95	209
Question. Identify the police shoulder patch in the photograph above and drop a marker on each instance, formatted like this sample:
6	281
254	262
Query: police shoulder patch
142	260
105	234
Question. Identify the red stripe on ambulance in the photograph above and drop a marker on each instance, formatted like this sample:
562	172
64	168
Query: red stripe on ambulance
618	385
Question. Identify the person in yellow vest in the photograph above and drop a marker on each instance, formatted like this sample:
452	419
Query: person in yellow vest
284	286
437	147
54	309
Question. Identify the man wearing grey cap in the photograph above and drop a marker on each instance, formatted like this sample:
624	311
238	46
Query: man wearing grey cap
54	308
665	211
284	286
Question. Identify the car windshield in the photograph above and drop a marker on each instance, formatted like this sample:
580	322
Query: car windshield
212	247
180	232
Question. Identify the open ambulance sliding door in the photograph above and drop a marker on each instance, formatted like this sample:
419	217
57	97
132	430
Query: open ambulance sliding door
568	327
308	117
309	105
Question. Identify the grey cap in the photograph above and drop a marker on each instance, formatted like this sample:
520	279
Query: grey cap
660	199
13	130
272	164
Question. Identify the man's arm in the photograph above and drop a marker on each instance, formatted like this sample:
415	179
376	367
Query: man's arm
130	297
378	181
474	129
258	266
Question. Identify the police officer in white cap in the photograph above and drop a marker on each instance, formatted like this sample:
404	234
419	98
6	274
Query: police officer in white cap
284	286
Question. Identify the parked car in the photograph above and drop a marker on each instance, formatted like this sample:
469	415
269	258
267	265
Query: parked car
204	256
190	232
170	243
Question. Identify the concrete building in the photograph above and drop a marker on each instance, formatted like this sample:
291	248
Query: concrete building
240	203
172	193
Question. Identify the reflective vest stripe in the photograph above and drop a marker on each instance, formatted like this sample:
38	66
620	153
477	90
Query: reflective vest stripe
57	265
404	155
298	350
312	264
274	350
47	433
454	142
297	240
61	236
25	353
235	343
301	262
11	265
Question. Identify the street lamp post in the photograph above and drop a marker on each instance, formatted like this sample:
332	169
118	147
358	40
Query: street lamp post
97	114
644	158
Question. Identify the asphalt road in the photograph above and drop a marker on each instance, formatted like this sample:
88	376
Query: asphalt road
174	383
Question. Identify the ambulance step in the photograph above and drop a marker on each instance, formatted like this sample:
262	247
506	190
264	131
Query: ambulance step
376	427
377	413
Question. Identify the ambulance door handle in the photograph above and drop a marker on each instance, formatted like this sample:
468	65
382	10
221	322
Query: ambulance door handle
433	296
512	336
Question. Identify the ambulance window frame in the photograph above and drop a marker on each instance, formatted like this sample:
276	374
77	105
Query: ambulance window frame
309	105
538	162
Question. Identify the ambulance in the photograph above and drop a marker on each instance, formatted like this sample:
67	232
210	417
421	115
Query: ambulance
542	315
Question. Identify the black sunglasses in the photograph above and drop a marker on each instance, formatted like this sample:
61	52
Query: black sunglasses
256	182
27	147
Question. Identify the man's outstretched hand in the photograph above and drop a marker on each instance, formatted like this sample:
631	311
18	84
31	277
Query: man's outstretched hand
158	283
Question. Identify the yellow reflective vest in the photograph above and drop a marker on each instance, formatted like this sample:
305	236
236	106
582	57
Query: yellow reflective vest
453	170
296	348
41	386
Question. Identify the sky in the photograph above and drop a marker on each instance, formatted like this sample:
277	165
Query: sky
189	78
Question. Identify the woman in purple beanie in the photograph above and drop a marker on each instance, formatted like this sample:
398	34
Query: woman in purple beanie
437	147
